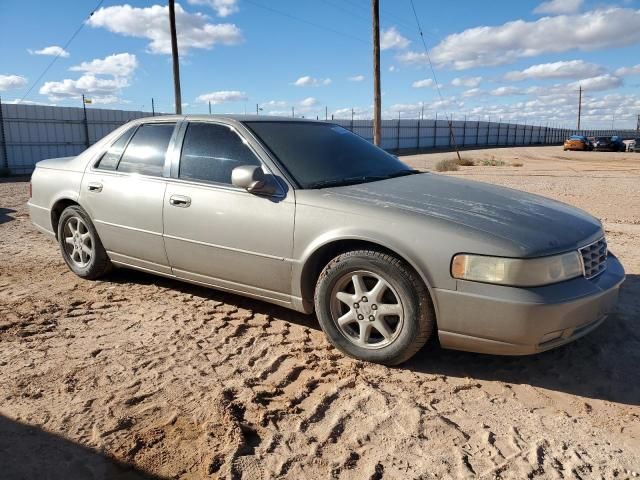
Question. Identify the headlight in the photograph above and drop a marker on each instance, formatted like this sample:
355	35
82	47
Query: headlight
519	272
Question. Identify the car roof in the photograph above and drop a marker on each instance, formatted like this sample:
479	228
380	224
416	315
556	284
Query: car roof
228	117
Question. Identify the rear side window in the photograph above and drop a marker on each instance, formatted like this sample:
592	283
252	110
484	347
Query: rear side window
109	160
147	149
210	152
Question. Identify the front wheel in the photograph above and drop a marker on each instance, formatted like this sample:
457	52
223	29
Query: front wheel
374	307
80	245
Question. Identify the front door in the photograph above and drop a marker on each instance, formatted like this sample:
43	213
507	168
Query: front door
221	235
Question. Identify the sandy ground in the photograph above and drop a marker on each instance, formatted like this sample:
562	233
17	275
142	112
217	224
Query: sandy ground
136	376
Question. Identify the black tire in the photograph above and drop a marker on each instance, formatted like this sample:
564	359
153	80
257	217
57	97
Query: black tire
418	321
98	263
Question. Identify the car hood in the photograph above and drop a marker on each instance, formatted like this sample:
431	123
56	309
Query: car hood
536	225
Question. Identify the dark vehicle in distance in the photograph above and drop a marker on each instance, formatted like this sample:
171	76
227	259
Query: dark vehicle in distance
609	144
578	142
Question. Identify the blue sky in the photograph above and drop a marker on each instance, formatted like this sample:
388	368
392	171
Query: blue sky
515	60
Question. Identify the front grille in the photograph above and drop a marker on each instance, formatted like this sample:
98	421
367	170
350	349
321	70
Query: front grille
594	258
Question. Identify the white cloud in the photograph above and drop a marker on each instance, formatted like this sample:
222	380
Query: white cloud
275	104
100	90
469	82
472	92
53	51
490	46
635	70
426	83
308	81
223	8
223	96
506	91
117	65
194	30
564	69
356	78
391	38
601	82
308	102
393	68
118	70
8	82
558	7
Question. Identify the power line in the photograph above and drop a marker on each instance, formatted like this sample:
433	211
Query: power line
433	73
317	25
64	48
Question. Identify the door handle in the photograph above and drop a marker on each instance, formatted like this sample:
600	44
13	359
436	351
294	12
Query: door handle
179	201
94	187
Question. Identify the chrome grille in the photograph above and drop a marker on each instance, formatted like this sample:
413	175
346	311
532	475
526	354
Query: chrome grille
594	258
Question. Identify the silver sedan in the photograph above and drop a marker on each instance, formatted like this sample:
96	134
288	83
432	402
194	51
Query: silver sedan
312	217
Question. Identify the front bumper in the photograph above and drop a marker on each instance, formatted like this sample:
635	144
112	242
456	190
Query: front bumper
502	320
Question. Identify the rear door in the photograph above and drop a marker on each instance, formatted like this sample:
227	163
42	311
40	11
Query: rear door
123	194
222	235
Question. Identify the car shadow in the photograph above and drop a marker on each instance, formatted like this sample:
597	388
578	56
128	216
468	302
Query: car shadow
28	451
4	215
602	365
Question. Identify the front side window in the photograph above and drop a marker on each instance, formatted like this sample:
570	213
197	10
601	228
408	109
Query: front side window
210	152
147	149
111	157
321	154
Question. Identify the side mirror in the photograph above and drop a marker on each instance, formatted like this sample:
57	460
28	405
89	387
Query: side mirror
252	179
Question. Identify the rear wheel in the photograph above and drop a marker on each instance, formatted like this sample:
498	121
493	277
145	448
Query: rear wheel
80	245
374	307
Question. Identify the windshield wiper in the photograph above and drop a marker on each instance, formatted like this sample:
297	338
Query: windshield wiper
341	182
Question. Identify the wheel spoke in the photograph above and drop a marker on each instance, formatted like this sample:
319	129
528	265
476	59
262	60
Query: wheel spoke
365	333
86	249
389	309
345	298
69	240
347	318
85	235
358	285
378	290
76	256
381	326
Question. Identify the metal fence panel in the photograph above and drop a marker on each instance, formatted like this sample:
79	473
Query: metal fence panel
30	133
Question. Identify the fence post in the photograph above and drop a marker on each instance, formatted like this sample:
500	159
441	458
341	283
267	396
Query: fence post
464	131
5	159
488	127
398	144
418	143
86	123
435	130
477	132
515	135
506	141
450	121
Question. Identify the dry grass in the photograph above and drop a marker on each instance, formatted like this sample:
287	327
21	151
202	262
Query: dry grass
453	164
449	165
492	162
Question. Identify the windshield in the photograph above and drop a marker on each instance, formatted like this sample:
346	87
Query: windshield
324	155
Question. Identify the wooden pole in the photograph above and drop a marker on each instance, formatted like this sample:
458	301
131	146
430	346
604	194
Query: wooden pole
174	54
377	106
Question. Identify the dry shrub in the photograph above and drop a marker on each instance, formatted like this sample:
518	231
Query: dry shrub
447	165
492	162
516	164
465	162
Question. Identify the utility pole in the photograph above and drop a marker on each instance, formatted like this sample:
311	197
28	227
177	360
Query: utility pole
174	53
209	107
579	105
377	107
326	114
86	122
293	112
153	108
257	113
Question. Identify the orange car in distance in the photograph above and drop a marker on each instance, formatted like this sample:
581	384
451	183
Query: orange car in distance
577	142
